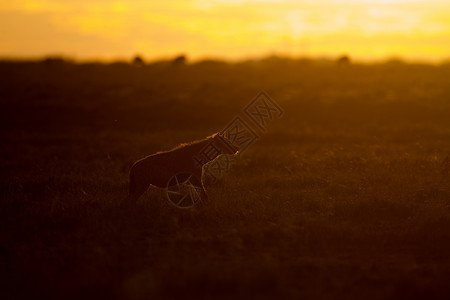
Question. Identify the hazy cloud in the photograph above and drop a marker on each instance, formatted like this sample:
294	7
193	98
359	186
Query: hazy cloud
217	27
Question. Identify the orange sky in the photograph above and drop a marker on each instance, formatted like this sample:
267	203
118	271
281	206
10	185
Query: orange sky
232	29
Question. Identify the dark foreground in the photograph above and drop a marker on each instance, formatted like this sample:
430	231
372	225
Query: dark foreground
347	196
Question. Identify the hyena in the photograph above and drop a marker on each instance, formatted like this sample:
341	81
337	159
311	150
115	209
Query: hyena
158	169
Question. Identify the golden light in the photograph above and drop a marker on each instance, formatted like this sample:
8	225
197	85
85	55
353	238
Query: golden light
368	29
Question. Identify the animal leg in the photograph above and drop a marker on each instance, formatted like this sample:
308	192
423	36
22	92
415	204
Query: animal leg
197	181
137	188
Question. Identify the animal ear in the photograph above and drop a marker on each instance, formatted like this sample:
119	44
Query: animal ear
221	136
223	139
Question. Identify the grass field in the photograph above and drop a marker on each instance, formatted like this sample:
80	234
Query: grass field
347	196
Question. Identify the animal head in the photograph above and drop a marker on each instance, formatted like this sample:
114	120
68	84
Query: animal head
226	146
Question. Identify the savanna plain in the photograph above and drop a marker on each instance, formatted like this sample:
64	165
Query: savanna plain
346	196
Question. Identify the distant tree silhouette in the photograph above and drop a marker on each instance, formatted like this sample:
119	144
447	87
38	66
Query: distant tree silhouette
179	60
343	60
394	61
54	61
138	61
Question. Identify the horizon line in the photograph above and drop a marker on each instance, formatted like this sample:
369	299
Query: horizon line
243	58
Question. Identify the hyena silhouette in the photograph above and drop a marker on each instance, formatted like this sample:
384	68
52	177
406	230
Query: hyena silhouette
158	169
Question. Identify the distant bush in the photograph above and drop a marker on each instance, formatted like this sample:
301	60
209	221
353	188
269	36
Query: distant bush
56	61
138	61
343	60
179	60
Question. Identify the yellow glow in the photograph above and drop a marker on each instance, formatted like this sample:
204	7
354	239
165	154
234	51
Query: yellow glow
369	29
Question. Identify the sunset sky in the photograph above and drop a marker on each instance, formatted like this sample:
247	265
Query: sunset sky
230	29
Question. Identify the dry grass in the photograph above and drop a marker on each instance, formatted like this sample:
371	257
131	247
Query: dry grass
346	196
